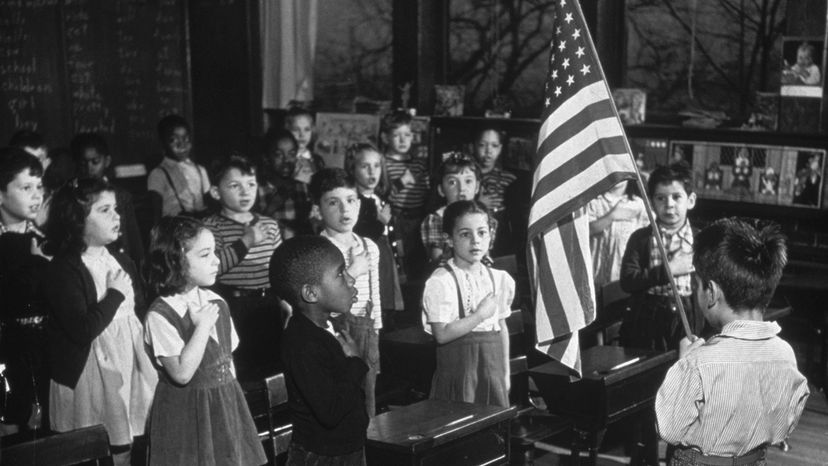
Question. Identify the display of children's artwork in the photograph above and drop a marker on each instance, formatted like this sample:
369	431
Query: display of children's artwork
631	105
802	67
755	173
448	100
337	131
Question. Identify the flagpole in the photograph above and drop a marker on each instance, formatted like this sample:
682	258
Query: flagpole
643	189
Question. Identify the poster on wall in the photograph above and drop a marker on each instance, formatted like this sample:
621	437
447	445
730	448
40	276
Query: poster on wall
337	131
802	67
760	174
631	104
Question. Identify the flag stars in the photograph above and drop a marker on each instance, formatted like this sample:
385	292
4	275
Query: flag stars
554	74
568	18
576	34
580	52
570	80
563	3
548	102
562	46
557	91
565	63
585	70
557	30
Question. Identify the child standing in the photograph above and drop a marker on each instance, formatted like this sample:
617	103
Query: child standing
323	371
199	415
101	373
299	122
613	217
244	243
494	181
653	322
335	195
365	164
465	306
281	196
459	179
410	182
728	398
92	160
177	184
23	343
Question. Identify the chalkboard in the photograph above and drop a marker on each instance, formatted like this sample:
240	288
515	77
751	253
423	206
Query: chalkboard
109	66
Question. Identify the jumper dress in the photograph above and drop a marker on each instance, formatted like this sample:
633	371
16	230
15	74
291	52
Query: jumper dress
471	367
207	421
361	329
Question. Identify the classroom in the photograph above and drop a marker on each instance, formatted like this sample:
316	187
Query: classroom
387	232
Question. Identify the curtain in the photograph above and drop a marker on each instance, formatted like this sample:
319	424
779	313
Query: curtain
288	31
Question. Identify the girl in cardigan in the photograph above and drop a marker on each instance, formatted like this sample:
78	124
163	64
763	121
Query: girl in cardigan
100	371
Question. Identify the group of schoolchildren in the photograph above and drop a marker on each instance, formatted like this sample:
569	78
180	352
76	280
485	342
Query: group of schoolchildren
292	270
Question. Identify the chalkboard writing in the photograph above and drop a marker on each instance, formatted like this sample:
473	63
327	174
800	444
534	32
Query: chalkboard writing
109	66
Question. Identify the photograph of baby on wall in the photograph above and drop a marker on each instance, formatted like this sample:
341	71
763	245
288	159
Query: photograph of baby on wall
802	67
808	182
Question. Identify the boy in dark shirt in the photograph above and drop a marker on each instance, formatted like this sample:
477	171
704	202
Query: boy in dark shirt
322	371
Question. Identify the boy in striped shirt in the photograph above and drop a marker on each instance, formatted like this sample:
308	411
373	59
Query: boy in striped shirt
335	195
728	398
244	243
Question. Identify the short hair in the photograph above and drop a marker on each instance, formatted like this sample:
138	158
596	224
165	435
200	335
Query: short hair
745	261
500	134
274	136
394	120
679	171
83	141
68	210
351	155
456	162
27	138
297	111
458	209
169	124
223	165
297	262
806	47
328	179
13	161
166	264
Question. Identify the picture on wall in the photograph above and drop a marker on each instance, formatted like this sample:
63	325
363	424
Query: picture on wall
448	100
337	131
631	105
756	173
802	67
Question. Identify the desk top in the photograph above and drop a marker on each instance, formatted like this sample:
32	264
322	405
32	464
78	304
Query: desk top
598	363
430	423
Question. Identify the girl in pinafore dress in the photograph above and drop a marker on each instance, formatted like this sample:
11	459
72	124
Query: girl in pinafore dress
465	306
200	416
101	373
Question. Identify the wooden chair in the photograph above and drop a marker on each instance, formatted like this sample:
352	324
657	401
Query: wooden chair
278	418
64	449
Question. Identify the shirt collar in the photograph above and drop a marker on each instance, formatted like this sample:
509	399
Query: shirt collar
684	231
172	162
750	330
181	302
29	227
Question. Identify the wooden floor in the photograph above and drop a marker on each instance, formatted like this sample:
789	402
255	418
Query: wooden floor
808	443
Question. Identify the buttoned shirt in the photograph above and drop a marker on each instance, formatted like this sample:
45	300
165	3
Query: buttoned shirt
679	241
739	390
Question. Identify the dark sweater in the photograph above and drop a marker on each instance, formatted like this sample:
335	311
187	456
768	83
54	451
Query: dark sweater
325	395
77	318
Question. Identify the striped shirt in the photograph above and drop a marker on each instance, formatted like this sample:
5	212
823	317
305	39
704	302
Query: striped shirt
241	267
412	198
739	390
367	284
494	184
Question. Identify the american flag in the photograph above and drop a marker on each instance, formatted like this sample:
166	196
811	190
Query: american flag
582	152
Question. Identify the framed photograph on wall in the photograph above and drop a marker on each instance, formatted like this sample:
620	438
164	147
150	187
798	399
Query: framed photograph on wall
802	67
761	174
337	131
631	104
448	99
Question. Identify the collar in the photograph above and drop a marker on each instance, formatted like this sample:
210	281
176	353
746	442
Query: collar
685	231
170	162
28	227
399	157
339	244
197	296
95	253
750	330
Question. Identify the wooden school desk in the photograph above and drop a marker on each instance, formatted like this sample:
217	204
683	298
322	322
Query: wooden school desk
433	432
616	382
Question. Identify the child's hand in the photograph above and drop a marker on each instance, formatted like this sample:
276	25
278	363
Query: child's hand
257	232
681	264
487	307
688	344
486	200
359	263
349	347
384	214
36	250
118	280
407	179
624	210
204	315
